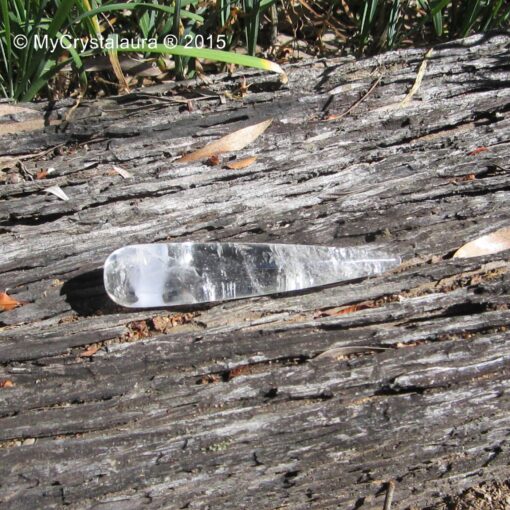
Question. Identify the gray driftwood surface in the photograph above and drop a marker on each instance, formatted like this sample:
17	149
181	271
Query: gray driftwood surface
280	401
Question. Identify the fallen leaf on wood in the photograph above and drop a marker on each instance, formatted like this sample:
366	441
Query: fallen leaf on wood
237	371
89	351
7	302
209	379
418	80
241	163
117	70
486	245
6	383
284	79
123	173
41	174
462	178
214	160
58	192
243	87
341	352
477	151
342	311
354	308
233	142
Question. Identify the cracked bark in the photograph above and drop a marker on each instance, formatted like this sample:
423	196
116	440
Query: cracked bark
282	401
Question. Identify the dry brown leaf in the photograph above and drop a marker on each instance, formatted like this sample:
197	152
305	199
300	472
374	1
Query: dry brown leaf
238	371
342	352
89	351
7	302
477	151
123	173
233	142
238	164
353	308
418	80
42	174
214	160
284	79
344	310
485	245
243	87
209	379
6	383
117	69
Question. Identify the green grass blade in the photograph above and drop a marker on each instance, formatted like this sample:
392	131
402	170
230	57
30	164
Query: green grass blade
438	6
505	17
264	4
436	14
51	70
134	5
60	16
252	22
208	54
7	54
36	62
437	20
491	18
224	7
144	24
392	27
367	19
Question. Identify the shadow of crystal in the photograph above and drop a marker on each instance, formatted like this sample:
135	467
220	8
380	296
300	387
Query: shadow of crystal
87	296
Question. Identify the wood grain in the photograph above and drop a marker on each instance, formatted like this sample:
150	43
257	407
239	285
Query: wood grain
246	404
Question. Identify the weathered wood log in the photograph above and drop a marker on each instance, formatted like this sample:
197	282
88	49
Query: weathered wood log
308	400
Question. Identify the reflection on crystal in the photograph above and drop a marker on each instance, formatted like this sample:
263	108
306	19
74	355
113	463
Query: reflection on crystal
150	275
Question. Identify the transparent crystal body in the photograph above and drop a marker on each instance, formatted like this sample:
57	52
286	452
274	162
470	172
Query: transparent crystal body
156	275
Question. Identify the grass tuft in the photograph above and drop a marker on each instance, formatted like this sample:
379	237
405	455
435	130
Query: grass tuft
227	31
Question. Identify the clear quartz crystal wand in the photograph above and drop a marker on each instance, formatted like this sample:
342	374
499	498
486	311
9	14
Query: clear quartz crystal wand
155	275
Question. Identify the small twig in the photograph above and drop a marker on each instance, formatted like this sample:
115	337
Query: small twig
23	170
359	101
330	25
389	495
21	157
273	14
77	103
418	80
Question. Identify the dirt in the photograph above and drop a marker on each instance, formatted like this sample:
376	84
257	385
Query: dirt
494	495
